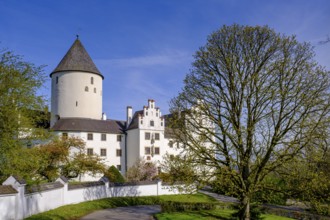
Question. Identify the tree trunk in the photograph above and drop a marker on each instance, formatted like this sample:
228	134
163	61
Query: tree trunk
245	208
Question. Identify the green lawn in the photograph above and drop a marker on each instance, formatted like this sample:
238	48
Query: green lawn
224	214
76	211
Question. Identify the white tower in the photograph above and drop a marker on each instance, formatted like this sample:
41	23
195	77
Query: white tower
76	86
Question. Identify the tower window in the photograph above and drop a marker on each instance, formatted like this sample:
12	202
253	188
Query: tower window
94	90
147	136
90	151
86	89
103	152
90	136
147	150
76	103
92	80
103	137
56	79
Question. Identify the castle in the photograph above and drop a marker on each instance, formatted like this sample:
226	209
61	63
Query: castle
76	110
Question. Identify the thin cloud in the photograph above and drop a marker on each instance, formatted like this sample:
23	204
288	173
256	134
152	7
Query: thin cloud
171	57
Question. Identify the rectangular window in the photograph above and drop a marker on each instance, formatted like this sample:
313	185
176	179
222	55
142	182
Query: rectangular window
156	150
103	137
152	123
156	136
118	152
89	151
147	136
103	152
147	150
119	167
119	138
64	136
90	136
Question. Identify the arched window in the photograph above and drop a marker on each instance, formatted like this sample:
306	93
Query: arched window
86	89
92	80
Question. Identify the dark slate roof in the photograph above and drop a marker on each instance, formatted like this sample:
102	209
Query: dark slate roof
84	185
43	187
64	179
135	120
19	180
90	125
7	189
77	59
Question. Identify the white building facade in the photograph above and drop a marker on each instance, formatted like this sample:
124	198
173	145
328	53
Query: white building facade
76	110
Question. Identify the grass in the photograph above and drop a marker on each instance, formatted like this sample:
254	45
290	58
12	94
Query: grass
224	214
76	211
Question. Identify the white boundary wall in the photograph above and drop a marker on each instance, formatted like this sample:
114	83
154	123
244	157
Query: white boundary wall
21	204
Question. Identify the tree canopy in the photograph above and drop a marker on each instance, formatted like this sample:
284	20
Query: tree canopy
253	100
19	102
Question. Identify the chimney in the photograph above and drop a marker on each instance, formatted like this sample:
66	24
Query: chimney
104	116
129	115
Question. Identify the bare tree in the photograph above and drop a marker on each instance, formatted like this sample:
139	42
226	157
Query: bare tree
264	98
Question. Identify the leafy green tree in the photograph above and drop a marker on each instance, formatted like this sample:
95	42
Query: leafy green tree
114	175
19	100
67	157
254	100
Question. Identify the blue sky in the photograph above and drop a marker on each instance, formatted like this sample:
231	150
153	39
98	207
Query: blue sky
144	48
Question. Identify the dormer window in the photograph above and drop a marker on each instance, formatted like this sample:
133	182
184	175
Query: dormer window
86	89
92	80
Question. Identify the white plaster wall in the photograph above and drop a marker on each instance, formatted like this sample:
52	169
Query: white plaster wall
7	206
133	146
137	190
46	200
43	201
71	89
86	194
111	145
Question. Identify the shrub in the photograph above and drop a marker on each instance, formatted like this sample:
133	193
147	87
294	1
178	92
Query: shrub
170	206
114	175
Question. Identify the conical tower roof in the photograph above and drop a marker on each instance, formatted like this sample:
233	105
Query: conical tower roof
77	59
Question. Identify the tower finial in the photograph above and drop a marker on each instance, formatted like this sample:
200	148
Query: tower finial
77	36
